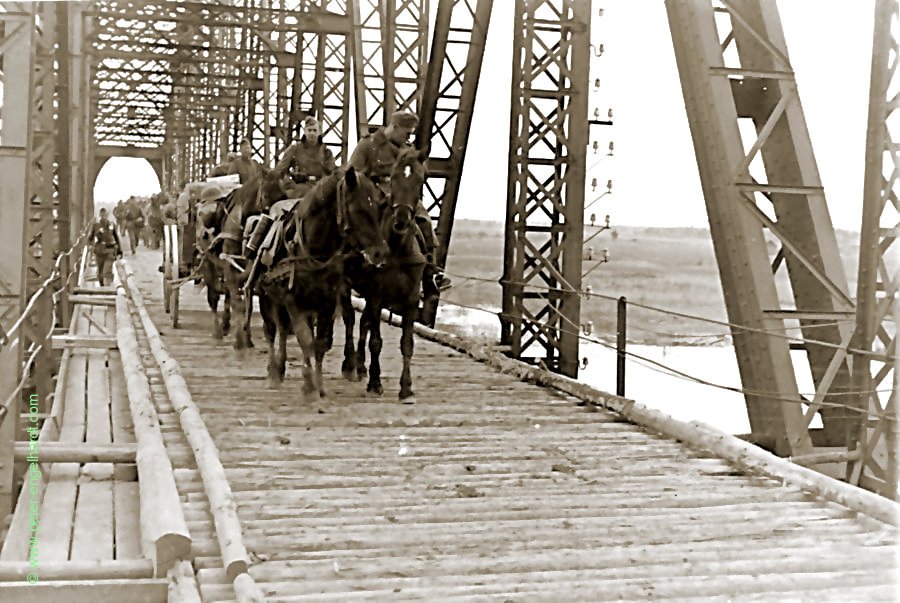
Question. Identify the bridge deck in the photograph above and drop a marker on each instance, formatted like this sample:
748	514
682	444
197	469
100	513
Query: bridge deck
489	487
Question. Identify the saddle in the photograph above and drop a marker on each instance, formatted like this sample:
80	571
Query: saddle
282	213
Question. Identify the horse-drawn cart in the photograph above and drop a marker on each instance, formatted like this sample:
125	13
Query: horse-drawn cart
179	243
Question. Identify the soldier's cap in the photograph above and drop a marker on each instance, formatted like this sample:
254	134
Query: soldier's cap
211	193
404	119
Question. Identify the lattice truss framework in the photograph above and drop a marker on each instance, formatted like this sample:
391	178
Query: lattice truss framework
875	373
545	195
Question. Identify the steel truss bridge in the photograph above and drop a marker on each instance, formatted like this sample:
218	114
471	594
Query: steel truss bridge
180	83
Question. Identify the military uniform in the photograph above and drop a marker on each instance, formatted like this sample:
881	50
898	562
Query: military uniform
375	156
106	247
306	162
244	167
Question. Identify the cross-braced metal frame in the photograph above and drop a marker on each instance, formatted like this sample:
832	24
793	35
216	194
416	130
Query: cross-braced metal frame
874	375
545	191
734	65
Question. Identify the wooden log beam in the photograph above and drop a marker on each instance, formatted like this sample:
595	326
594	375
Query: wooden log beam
94	300
68	452
744	456
164	532
215	483
65	342
183	586
107	569
146	590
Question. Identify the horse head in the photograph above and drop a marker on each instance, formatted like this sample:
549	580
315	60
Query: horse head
358	216
407	178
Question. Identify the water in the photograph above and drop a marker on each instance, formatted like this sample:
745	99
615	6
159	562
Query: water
651	385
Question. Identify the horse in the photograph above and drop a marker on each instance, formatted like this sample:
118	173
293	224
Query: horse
394	286
299	290
220	250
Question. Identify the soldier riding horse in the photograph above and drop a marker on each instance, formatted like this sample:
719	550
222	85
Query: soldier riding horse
304	253
395	285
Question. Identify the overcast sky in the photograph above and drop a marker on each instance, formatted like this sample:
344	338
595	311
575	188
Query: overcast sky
654	171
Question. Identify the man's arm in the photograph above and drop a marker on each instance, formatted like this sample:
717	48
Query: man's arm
328	161
283	166
361	160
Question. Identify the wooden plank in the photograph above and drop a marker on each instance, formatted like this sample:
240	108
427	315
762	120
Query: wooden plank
93	300
92	535
58	512
120	414
64	342
126	505
147	590
183	584
77	570
57	452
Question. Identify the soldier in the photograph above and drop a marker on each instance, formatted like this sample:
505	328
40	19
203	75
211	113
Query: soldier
306	161
242	165
133	217
374	156
106	246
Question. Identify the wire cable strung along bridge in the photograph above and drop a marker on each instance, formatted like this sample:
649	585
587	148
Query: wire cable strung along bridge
144	461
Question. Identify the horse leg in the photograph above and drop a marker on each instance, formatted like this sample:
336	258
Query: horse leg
406	348
303	331
374	384
248	316
348	366
324	341
212	298
270	329
226	310
361	345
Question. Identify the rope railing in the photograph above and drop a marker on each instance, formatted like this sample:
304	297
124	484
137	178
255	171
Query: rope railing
743	328
573	329
36	347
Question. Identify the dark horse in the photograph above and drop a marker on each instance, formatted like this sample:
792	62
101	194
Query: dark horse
220	250
299	291
394	286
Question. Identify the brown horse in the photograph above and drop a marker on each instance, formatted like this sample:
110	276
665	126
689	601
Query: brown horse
299	291
394	286
220	263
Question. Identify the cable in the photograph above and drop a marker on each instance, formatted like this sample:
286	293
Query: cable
792	339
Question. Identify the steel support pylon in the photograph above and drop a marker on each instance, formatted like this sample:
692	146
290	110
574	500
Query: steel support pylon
545	191
771	193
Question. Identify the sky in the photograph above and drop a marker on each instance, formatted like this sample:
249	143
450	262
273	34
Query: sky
653	169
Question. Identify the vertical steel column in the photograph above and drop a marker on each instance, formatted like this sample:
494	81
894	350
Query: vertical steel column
64	116
42	197
448	100
17	53
545	190
877	281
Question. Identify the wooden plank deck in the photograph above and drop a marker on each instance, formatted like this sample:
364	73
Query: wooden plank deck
489	489
89	512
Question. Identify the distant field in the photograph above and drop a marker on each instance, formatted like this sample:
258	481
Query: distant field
668	268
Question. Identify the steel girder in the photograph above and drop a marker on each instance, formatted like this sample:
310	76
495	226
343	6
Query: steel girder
874	375
545	191
390	38
773	190
16	50
451	81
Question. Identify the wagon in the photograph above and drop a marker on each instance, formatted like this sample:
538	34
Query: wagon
179	258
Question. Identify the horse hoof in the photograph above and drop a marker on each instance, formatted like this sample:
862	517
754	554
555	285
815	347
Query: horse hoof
410	399
274	383
376	389
350	375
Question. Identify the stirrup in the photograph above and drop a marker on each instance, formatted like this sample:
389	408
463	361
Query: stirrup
441	282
